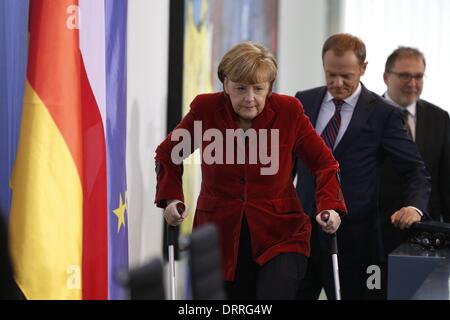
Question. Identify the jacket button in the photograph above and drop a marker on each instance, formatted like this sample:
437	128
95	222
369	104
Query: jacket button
242	198
242	180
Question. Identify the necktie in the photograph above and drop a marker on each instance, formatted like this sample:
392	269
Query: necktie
330	132
405	115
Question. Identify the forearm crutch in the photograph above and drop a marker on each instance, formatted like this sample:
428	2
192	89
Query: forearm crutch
171	239
334	252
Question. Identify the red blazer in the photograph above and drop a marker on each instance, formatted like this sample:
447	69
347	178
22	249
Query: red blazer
274	213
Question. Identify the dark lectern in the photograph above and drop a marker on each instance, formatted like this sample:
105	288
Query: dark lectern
420	269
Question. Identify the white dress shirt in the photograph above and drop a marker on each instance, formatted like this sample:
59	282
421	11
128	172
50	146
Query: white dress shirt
411	114
328	108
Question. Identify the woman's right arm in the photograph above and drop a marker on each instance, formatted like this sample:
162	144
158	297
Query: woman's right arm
170	154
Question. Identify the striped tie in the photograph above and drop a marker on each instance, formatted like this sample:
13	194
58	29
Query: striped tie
405	115
330	132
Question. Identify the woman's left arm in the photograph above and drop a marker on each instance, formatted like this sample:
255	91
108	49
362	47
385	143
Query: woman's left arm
316	155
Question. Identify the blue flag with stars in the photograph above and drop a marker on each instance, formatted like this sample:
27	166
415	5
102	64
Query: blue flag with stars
116	119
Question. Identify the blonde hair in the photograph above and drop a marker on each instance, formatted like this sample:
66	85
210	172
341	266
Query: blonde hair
248	63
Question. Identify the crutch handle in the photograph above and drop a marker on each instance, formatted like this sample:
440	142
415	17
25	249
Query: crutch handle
181	207
172	230
324	216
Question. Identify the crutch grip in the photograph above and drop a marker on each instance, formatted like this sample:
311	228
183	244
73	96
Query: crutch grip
333	243
324	216
171	235
172	230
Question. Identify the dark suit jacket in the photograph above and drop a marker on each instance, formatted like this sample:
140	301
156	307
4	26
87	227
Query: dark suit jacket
375	132
433	141
276	220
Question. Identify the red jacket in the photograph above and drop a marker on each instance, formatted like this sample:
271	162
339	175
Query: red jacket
274	213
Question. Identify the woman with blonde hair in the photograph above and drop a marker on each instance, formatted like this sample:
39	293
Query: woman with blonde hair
249	137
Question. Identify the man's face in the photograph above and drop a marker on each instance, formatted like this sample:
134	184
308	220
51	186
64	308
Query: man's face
405	80
342	73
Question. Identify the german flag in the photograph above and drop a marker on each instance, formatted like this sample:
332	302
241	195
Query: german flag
58	220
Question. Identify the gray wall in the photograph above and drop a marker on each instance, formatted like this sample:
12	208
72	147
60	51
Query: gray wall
303	28
148	31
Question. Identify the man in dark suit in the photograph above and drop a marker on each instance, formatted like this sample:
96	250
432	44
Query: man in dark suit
362	130
429	126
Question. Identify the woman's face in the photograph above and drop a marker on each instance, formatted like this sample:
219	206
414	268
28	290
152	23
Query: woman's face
248	100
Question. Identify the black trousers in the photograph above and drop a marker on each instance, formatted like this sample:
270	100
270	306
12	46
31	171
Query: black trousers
278	279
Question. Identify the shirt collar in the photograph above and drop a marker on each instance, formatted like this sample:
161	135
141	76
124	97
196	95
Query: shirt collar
411	108
351	100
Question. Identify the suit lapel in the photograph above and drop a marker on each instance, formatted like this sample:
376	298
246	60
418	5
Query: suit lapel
421	120
312	110
359	118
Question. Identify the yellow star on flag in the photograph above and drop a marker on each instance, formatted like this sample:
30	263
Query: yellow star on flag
120	213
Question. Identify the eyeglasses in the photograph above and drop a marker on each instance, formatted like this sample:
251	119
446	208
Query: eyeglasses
405	76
